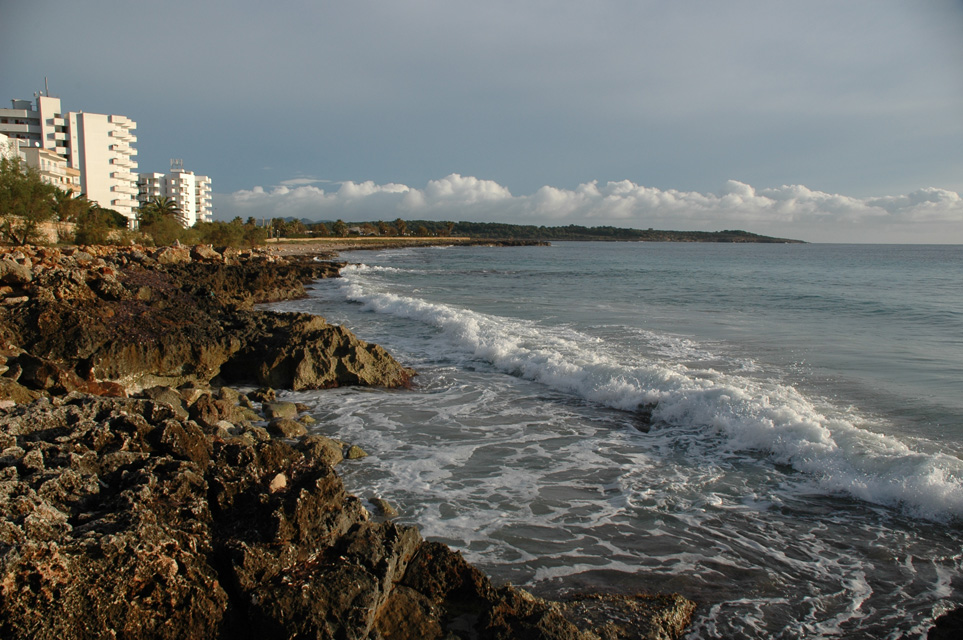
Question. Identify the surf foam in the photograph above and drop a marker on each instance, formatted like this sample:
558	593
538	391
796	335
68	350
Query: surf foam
749	414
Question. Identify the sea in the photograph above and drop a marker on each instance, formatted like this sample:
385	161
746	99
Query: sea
774	431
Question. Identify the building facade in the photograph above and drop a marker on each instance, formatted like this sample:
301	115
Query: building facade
191	193
98	150
40	125
52	169
102	149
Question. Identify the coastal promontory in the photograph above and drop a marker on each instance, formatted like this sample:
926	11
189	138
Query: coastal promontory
155	484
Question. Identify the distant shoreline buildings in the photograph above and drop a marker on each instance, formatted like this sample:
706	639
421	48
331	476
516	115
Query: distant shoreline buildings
94	154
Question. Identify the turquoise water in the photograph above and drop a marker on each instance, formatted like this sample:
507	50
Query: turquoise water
773	430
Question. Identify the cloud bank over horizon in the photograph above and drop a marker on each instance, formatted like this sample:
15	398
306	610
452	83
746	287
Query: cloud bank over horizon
928	215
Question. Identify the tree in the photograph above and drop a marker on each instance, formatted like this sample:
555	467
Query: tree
159	208
95	224
71	208
384	228
339	228
161	220
26	202
295	229
401	226
320	229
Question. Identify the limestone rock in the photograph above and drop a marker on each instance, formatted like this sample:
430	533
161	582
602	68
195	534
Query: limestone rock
287	428
280	410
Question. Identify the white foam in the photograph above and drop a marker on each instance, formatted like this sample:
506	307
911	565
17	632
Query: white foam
750	414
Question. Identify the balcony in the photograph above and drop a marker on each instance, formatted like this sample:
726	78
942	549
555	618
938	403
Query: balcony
125	189
21	127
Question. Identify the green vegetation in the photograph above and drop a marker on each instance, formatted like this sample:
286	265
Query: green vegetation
502	231
577	232
27	203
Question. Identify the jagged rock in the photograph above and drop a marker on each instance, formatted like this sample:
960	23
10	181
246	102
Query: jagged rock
300	351
165	320
170	397
286	428
280	410
321	448
355	452
14	273
383	507
637	617
206	252
173	255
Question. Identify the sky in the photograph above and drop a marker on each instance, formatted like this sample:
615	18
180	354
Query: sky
821	120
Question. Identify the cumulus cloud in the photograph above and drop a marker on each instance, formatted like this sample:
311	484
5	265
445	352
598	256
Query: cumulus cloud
926	215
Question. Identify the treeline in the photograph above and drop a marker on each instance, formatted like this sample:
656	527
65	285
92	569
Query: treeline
579	232
503	231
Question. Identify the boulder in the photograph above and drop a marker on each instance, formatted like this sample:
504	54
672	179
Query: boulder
14	273
286	428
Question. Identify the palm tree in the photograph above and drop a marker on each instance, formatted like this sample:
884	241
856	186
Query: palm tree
71	208
159	208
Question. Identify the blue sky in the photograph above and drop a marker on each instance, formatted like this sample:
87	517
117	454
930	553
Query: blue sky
822	120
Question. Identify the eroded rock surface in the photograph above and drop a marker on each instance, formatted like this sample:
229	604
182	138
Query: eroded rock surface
122	516
200	512
133	318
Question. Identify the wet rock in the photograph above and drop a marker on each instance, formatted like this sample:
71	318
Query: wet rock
948	626
280	410
355	452
383	507
321	448
637	617
299	351
286	428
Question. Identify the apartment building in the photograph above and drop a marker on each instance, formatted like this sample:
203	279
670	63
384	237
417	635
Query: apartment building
97	149
36	125
52	169
191	193
101	148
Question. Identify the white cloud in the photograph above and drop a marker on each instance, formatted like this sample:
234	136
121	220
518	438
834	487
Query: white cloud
461	190
926	215
296	182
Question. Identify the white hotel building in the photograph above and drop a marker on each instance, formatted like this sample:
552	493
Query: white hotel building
100	147
191	193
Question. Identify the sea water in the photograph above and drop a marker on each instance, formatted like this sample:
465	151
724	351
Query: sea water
774	431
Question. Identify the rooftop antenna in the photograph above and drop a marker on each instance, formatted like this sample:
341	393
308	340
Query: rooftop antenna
46	89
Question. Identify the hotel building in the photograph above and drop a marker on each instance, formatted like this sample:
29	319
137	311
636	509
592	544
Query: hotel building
191	193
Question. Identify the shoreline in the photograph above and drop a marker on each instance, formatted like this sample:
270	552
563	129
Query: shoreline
125	452
326	247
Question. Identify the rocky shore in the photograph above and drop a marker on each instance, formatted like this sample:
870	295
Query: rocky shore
143	496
